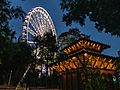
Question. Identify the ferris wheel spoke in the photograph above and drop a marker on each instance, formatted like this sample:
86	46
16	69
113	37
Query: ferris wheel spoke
39	23
35	20
48	24
42	25
45	24
32	32
33	25
31	42
36	24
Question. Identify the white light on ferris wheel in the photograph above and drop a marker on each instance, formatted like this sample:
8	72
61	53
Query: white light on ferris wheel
37	22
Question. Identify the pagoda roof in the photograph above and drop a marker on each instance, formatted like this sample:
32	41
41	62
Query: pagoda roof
104	46
85	59
85	53
86	44
96	54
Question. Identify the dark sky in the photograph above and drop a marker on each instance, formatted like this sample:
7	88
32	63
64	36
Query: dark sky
53	8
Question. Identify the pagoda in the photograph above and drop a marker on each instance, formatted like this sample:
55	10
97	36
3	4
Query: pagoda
81	54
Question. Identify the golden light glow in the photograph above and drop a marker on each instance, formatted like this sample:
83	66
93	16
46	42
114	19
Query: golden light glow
85	54
93	61
92	57
83	44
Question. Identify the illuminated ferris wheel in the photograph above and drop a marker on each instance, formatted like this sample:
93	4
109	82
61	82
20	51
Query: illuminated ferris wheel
37	23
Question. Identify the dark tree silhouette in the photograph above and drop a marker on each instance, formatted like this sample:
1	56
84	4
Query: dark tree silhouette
68	37
44	56
7	13
13	56
105	13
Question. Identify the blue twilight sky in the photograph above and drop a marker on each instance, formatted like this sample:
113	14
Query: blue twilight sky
53	8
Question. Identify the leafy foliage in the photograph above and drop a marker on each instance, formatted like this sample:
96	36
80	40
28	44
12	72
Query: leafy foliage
105	13
13	56
68	37
94	80
7	13
46	46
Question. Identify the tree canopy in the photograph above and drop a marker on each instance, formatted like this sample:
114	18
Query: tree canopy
68	37
104	13
7	13
14	56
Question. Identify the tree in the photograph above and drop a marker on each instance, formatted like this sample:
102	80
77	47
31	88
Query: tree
44	55
13	56
46	45
7	13
68	37
104	13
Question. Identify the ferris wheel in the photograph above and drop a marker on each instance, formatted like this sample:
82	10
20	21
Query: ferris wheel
37	23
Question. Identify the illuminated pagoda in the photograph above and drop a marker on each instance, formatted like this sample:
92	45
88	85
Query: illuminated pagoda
81	54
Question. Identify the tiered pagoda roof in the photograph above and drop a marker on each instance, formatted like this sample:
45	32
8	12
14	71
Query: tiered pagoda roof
85	53
85	44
